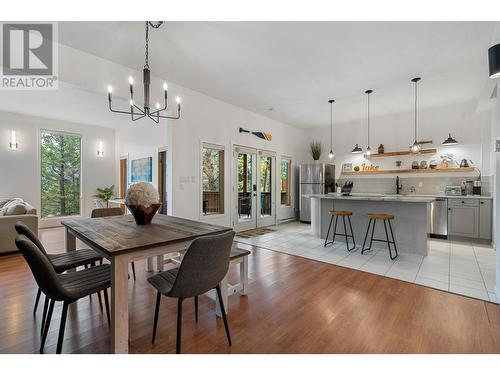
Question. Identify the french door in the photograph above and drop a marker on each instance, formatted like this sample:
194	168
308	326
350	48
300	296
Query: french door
254	188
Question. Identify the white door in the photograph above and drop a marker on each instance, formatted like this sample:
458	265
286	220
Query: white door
245	188
266	189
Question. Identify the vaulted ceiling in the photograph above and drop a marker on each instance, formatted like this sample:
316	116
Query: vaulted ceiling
288	70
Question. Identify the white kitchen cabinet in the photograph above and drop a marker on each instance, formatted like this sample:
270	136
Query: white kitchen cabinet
485	219
463	217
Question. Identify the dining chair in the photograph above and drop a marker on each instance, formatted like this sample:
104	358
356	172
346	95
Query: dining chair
60	262
68	287
203	266
110	211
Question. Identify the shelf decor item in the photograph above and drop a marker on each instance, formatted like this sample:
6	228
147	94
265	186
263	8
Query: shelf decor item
315	150
261	135
136	112
347	167
143	201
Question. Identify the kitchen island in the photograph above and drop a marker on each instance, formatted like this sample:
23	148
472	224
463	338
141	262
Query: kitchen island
410	224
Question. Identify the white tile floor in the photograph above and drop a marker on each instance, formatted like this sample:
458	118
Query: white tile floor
460	267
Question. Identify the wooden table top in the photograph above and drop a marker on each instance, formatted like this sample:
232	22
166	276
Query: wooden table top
119	234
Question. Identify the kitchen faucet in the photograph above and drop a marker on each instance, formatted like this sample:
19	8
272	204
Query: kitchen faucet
399	187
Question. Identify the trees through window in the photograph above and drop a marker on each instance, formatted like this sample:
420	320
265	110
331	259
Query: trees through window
212	179
60	174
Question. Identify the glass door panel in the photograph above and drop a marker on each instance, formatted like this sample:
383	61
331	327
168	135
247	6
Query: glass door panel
266	190
246	189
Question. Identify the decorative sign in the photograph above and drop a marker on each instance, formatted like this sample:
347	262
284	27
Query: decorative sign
142	170
261	135
347	167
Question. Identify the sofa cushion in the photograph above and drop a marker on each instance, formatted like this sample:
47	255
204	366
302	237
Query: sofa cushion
16	209
30	210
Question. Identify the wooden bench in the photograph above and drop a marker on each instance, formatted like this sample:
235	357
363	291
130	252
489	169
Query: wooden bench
237	256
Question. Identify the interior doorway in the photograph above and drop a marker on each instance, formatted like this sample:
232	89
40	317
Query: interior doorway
162	180
123	180
254	191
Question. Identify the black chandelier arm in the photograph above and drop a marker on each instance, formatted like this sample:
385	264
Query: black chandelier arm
155	119
178	116
141	112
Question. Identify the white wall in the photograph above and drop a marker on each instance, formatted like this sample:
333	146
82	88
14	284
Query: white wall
20	169
472	129
205	119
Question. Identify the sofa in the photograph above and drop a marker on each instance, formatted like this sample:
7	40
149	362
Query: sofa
12	210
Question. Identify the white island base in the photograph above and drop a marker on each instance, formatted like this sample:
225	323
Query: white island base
410	224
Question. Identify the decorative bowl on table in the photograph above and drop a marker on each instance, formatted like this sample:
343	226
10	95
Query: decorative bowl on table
143	201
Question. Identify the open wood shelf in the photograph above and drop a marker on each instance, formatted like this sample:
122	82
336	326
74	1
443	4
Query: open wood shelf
400	153
427	170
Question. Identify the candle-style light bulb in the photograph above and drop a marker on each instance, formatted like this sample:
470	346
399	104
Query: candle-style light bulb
178	100
165	86
130	80
157	105
110	89
131	102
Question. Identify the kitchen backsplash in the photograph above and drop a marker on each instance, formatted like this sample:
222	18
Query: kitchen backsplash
427	185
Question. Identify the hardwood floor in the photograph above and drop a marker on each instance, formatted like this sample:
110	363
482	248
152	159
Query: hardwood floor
294	305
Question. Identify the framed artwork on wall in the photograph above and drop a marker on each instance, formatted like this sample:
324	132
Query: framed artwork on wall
141	170
347	167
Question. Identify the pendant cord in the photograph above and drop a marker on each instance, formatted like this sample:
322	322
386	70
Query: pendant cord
147	46
416	82
368	119
331	126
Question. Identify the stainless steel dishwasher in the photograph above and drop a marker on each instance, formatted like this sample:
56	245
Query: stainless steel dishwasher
439	218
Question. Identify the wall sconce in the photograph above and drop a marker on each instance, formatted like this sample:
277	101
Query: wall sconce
100	151
13	141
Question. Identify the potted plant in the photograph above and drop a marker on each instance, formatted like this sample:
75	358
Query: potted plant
143	200
105	194
315	150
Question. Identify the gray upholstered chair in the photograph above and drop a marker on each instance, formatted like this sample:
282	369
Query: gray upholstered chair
61	262
68	288
110	211
204	265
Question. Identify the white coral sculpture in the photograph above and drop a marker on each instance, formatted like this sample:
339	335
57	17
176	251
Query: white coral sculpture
142	194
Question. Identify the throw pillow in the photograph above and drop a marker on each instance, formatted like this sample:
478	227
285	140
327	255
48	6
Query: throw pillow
16	209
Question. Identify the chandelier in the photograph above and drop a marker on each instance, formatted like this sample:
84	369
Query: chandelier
135	112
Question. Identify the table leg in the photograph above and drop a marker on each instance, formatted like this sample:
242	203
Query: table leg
223	290
159	263
149	264
119	304
70	241
244	275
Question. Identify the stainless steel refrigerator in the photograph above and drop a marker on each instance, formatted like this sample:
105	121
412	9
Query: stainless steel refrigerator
314	179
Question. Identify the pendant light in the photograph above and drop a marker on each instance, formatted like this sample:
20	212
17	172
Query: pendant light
450	141
494	61
331	154
368	149
357	149
416	147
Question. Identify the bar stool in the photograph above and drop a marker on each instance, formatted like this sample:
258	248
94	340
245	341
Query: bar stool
386	219
343	214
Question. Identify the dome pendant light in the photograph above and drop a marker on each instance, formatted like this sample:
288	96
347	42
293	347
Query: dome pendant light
357	149
450	141
331	155
368	149
416	147
494	61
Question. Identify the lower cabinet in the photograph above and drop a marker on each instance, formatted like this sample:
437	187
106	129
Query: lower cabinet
470	218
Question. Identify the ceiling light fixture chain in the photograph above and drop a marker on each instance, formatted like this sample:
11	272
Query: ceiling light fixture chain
136	112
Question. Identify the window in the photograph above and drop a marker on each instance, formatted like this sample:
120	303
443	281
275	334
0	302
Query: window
60	174
212	179
286	197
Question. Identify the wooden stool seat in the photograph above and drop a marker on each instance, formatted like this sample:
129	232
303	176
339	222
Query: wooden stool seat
380	216
340	213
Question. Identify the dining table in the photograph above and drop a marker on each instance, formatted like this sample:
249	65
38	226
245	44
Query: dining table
120	240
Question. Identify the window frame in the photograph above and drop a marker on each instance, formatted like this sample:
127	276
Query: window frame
39	155
222	187
289	182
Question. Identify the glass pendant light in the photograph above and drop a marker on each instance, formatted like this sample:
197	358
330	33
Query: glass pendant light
331	155
368	149
450	141
494	61
416	147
